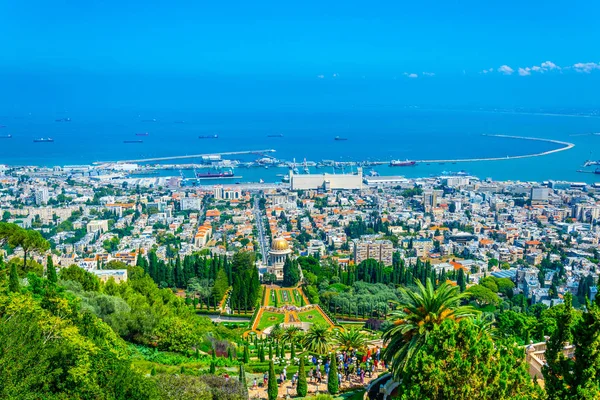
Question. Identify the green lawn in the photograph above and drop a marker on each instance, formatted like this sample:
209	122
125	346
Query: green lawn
312	316
268	319
293	297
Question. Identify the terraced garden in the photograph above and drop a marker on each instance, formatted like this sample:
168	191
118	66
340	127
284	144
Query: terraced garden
312	316
285	297
269	318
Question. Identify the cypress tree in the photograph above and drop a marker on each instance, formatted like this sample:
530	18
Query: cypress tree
243	376
460	280
556	372
13	284
270	351
302	387
51	270
246	354
333	383
272	388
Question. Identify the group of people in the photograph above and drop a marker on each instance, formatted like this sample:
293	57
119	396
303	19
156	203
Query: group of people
348	365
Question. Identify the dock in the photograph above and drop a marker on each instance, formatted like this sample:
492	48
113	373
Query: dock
566	146
155	159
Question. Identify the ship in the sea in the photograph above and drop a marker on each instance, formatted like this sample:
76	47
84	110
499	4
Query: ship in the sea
406	163
215	175
63	120
133	141
208	137
43	140
6	137
340	138
141	134
277	135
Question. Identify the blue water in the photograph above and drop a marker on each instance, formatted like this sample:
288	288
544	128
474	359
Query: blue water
382	134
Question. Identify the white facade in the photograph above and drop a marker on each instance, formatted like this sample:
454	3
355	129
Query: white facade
41	196
326	181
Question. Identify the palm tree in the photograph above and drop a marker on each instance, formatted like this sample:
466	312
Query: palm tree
291	334
317	339
277	333
351	339
419	312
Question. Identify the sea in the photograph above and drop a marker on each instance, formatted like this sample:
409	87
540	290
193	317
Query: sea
408	133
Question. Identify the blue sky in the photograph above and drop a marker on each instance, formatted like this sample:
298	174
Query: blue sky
444	46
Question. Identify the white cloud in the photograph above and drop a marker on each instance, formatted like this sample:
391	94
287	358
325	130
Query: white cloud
586	67
487	71
524	71
321	76
549	65
335	75
411	75
536	68
428	74
506	70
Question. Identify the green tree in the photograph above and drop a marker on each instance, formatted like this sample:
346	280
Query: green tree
14	284
272	388
89	281
459	360
483	296
557	378
317	339
350	339
333	384
418	314
242	375
246	354
51	270
461	280
302	387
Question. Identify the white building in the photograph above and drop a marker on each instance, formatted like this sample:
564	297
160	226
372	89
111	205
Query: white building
100	225
190	203
226	194
327	181
41	196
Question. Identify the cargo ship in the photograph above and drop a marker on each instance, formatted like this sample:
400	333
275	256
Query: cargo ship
406	163
142	134
133	141
215	175
6	137
208	137
340	138
43	140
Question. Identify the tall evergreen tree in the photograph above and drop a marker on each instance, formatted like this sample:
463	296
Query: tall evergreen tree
246	354
14	284
460	280
302	387
243	376
333	383
51	270
272	386
556	371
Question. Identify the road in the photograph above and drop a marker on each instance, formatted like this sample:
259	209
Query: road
260	227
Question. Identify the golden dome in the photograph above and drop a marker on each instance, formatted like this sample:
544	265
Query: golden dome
279	244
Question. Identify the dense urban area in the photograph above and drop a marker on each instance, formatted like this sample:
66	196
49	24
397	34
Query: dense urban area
330	286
